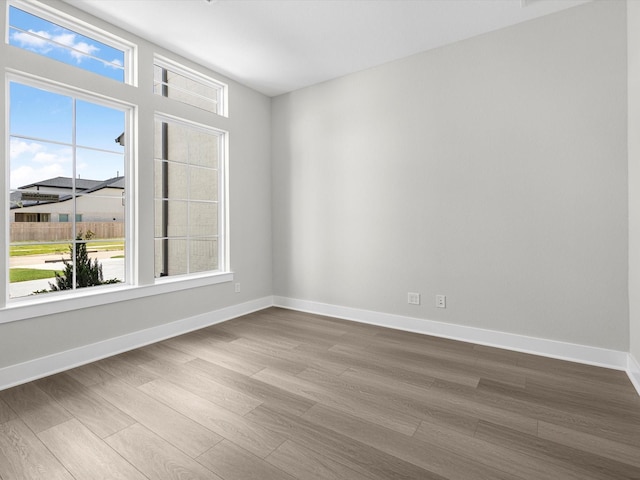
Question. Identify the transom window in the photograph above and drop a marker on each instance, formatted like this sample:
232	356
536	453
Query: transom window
40	31
179	83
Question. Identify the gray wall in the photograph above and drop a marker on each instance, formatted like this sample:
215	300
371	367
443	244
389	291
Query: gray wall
493	171
250	218
633	25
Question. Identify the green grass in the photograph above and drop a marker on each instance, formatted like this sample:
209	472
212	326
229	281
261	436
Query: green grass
26	274
62	248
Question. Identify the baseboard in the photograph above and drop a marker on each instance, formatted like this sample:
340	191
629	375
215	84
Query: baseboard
633	370
41	367
537	346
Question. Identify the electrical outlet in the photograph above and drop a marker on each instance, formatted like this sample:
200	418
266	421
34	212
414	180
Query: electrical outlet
413	298
237	287
441	301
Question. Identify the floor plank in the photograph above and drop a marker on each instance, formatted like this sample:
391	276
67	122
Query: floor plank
85	455
156	458
182	432
93	411
24	456
234	463
37	409
243	432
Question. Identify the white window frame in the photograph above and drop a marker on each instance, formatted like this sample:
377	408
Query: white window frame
74	24
191	74
130	182
223	254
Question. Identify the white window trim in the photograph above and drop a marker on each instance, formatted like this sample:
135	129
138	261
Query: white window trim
83	28
187	72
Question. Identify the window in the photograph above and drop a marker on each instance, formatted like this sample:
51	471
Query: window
188	188
179	83
63	160
40	31
73	198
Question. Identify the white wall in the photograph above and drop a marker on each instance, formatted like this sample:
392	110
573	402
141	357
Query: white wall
633	26
250	215
493	171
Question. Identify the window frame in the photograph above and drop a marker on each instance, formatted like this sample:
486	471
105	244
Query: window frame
222	235
76	25
129	111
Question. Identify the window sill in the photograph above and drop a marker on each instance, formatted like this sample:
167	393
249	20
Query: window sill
20	309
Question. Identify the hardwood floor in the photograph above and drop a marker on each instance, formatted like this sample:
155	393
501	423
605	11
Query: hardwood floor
282	395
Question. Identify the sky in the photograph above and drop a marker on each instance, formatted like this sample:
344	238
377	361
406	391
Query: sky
47	119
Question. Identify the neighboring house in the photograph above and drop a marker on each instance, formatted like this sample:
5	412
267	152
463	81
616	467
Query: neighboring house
49	201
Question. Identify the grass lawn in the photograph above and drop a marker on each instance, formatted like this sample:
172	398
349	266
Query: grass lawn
26	274
62	248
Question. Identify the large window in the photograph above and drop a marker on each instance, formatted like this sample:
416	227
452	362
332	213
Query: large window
188	188
84	190
67	185
41	31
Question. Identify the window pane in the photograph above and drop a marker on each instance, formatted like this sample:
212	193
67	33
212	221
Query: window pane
203	184
177	143
203	149
53	111
98	126
203	219
177	219
203	254
198	93
174	251
41	36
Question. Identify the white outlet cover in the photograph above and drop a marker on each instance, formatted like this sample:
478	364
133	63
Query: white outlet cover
413	298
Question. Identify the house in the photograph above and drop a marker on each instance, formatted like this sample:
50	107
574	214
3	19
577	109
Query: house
50	200
501	171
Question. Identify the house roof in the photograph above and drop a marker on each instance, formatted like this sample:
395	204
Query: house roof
64	182
85	187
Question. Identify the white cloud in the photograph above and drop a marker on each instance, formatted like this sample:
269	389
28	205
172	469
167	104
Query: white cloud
26	174
33	40
18	147
44	42
33	162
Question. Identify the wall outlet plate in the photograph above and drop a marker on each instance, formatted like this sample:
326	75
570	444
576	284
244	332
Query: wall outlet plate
413	298
441	301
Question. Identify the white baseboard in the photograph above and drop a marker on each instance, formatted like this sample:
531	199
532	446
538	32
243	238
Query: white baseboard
537	346
633	370
41	367
58	362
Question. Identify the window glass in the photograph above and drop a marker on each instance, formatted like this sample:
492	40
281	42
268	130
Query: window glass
46	38
67	208
171	82
187	213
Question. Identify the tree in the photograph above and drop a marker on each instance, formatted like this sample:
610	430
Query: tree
88	272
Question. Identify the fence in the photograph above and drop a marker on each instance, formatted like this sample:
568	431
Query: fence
62	231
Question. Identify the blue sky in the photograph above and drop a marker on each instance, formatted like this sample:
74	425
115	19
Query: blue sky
47	117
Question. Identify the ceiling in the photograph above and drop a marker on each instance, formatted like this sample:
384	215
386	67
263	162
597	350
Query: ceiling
276	46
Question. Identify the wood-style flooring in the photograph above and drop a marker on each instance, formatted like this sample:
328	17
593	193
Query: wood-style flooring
282	395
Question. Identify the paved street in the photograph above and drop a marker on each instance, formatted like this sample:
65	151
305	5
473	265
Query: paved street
111	268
